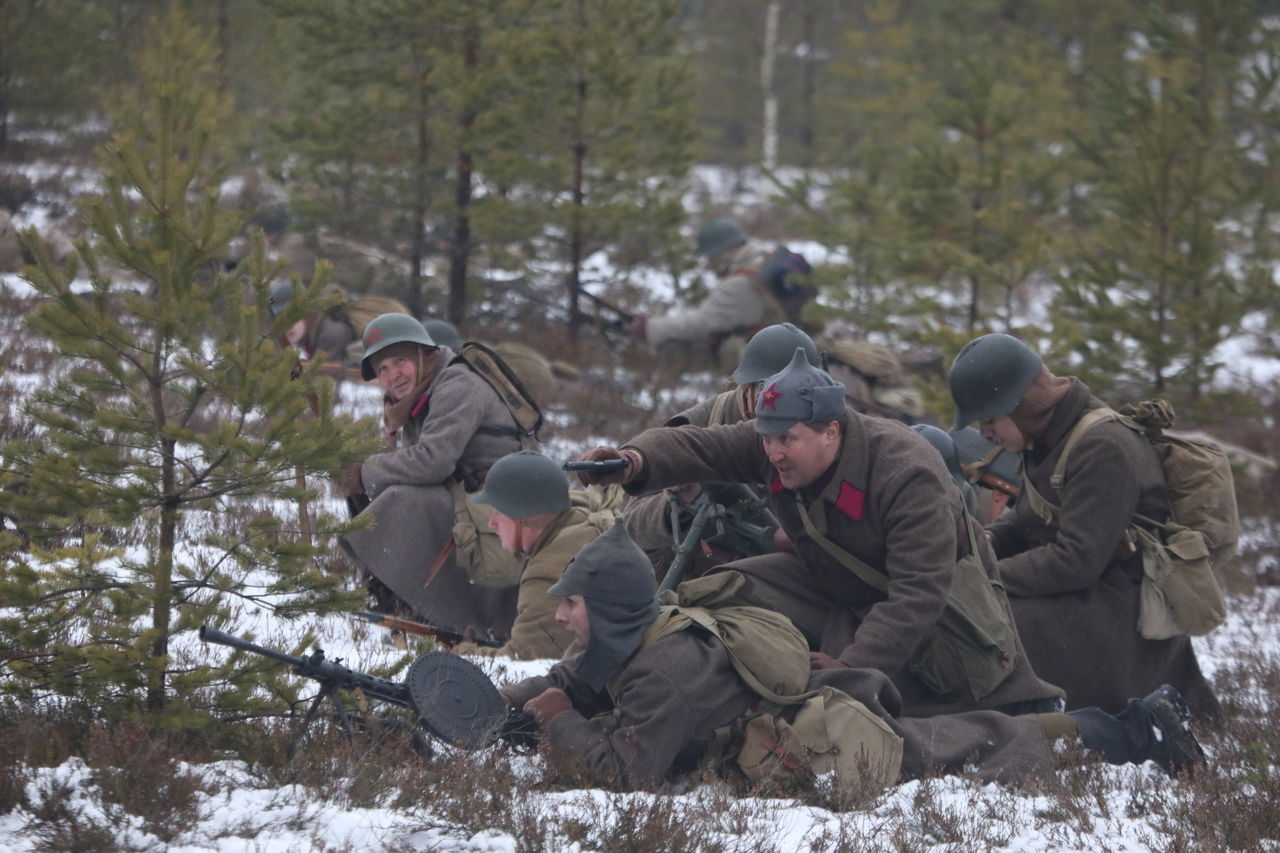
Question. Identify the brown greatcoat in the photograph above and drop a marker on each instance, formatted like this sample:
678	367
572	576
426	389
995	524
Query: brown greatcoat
1074	589
461	429
673	694
535	634
890	502
648	517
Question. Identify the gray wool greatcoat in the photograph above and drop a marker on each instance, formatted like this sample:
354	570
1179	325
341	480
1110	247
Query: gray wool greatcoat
1075	589
892	503
462	428
673	694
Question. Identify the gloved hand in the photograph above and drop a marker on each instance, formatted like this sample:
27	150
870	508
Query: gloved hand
351	482
634	471
547	705
818	660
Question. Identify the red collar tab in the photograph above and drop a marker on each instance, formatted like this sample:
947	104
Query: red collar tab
851	501
776	486
420	405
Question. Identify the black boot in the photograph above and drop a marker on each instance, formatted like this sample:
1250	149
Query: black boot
1150	729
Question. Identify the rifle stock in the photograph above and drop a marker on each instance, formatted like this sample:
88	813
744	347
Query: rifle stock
447	636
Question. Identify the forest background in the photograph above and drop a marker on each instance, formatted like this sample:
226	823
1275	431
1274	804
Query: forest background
1096	177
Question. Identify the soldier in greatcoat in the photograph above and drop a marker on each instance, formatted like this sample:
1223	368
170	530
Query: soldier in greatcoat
447	425
1074	586
871	486
648	517
635	704
535	518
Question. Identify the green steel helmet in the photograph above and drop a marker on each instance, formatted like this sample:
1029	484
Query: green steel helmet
524	483
719	235
281	293
989	377
770	350
388	329
443	332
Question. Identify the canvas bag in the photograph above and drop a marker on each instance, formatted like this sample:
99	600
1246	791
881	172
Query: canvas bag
830	732
1180	594
507	385
972	648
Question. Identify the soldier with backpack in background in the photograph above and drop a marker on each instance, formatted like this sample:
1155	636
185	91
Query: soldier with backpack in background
334	334
447	424
755	287
1087	549
690	682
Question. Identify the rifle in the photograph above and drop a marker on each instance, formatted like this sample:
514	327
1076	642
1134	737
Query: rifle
450	696
623	315
741	524
445	636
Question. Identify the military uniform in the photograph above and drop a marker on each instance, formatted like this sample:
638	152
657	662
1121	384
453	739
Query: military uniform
670	698
458	428
889	501
737	305
1075	589
535	634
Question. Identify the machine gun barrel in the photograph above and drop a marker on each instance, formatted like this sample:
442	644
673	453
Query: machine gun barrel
332	675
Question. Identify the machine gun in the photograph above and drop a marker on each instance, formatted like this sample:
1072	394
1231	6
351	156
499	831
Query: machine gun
727	516
451	697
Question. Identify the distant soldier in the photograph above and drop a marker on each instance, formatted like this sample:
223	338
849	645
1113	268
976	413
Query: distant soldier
647	694
535	519
994	472
447	426
443	332
874	519
334	334
1074	583
648	517
738	305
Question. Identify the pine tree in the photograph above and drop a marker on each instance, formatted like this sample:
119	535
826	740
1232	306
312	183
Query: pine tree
1165	268
606	107
174	409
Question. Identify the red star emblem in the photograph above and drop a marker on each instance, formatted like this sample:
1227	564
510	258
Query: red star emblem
770	397
374	335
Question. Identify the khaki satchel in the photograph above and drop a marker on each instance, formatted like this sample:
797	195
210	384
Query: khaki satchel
972	648
519	401
829	732
1180	593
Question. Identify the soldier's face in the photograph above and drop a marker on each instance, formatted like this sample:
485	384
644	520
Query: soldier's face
397	374
571	614
296	333
801	454
1003	431
508	530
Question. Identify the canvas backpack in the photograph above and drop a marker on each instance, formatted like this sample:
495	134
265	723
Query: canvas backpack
794	734
507	385
973	647
1180	594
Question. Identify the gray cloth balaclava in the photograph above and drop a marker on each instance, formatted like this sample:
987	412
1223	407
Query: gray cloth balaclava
615	578
800	394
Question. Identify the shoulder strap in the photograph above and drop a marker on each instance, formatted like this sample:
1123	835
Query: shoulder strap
719	404
864	572
1042	506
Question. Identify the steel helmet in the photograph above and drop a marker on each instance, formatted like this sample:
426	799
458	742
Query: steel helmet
770	350
524	483
989	377
719	235
388	329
